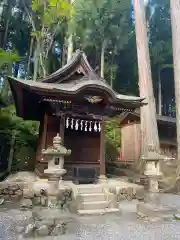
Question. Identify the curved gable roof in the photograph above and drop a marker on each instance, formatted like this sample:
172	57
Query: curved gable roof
78	60
75	77
76	87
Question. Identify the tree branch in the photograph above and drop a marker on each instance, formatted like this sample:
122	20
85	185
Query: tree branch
52	38
30	17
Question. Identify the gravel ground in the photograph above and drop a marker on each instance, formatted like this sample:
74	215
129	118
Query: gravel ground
110	227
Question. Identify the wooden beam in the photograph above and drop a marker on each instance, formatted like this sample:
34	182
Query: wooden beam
62	129
45	128
102	150
82	116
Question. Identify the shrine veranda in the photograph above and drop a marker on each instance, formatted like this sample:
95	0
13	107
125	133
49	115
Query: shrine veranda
75	103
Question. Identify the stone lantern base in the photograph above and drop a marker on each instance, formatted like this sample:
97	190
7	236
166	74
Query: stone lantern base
152	208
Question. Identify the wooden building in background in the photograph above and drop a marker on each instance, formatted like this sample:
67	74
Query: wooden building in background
131	135
73	102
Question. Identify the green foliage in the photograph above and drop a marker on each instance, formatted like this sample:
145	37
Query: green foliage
24	157
25	132
110	72
7	57
9	114
50	12
174	108
46	18
160	35
99	21
113	140
112	131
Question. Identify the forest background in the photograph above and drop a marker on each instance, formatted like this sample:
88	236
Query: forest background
34	38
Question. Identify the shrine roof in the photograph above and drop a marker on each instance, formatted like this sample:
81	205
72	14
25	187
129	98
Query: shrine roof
76	77
74	87
78	59
136	116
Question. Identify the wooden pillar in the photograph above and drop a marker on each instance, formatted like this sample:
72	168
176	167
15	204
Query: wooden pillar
44	136
41	162
62	129
102	153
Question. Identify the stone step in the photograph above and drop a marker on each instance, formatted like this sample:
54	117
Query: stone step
90	197
93	205
90	189
98	211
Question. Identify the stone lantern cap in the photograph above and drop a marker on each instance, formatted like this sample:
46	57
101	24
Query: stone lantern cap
57	139
153	155
57	149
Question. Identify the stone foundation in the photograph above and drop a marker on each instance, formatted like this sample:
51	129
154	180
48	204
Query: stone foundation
45	222
11	191
68	196
34	194
128	193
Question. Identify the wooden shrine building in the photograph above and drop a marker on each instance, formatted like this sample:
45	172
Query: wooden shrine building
73	102
131	136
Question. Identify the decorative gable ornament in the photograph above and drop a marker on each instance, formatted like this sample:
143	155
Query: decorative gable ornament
93	99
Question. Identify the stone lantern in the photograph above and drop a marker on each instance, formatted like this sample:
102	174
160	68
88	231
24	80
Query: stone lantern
55	168
152	167
56	163
152	209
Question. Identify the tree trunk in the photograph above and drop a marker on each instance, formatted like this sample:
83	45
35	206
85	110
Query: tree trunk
70	38
6	32
1	25
175	20
8	10
42	63
111	78
5	89
11	153
149	129
103	47
159	93
63	57
70	47
29	57
36	61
